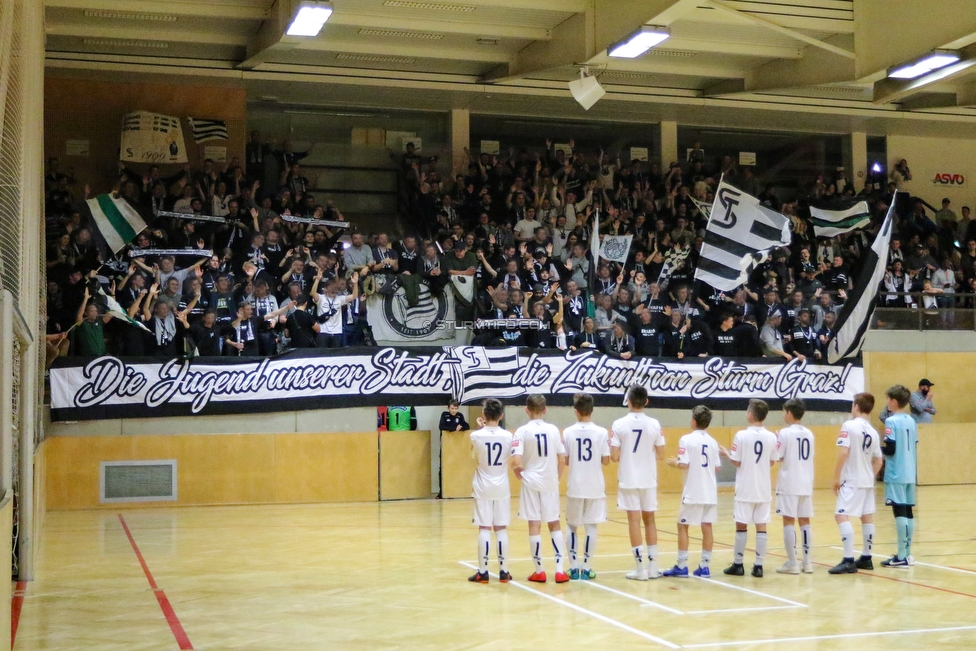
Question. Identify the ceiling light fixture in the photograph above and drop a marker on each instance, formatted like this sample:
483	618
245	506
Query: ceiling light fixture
309	19
586	90
639	42
928	63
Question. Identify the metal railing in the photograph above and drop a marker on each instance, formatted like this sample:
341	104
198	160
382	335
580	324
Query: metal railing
916	311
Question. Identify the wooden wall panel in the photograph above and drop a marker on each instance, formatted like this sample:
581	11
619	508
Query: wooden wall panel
6	587
946	454
404	465
326	467
955	383
83	109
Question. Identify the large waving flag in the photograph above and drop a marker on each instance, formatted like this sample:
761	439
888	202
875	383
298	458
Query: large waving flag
838	219
739	231
116	221
855	316
111	306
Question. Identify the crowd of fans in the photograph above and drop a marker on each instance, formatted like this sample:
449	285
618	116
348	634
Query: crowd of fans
519	225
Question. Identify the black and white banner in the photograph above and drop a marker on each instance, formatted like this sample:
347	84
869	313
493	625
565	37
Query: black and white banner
395	321
108	387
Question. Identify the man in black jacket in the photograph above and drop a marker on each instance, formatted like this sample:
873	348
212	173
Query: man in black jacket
617	343
647	334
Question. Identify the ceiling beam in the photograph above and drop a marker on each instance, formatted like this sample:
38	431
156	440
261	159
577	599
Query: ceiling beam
816	67
800	36
667	66
732	48
570	6
579	38
966	94
472	27
396	47
243	11
144	34
270	37
928	101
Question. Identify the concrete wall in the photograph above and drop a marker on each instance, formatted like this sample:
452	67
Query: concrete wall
930	156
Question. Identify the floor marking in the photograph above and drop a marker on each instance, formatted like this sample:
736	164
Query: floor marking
174	622
838	636
795	604
738	610
644	602
16	606
948	568
580	609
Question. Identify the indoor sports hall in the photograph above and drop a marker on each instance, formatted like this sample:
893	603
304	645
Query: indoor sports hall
476	324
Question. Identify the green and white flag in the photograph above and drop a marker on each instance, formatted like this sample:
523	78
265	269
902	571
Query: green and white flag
830	223
116	220
111	306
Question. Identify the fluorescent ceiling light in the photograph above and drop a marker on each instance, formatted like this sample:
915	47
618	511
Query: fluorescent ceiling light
309	19
925	65
639	42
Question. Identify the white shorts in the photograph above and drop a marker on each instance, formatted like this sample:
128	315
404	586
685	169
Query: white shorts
538	506
750	512
854	502
794	506
697	514
581	511
492	513
637	499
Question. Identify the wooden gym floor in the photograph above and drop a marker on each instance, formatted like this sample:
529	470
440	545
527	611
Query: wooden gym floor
392	576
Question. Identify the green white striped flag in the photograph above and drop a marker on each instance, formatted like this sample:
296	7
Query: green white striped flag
111	306
116	220
830	223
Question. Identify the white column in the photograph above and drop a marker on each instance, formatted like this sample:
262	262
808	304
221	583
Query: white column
460	138
668	151
859	159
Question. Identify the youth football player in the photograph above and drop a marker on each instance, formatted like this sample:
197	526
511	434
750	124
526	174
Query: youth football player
697	454
492	447
536	460
794	489
587	447
637	444
900	449
858	462
753	452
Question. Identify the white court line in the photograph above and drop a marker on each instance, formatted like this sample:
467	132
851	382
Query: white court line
737	610
602	618
645	602
812	638
755	592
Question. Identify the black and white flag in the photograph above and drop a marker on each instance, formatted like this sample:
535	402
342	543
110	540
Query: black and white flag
855	316
739	231
204	130
833	220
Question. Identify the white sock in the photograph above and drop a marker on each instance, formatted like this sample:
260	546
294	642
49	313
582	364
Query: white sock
558	547
535	551
638	557
847	538
652	556
502	537
867	532
760	547
589	548
484	548
806	534
682	559
573	547
741	537
705	559
789	541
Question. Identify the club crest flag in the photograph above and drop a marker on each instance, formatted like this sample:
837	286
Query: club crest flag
616	248
152	138
740	230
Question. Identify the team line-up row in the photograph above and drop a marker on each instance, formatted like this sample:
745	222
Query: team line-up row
538	453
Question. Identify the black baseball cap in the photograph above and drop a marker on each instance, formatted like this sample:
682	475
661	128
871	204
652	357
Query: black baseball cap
925	383
460	245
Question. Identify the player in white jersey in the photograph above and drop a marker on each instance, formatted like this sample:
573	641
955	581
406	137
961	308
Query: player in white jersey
491	446
536	460
753	452
858	462
587	450
794	489
637	444
698	455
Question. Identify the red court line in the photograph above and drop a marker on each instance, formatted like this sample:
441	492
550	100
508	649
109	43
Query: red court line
164	604
16	606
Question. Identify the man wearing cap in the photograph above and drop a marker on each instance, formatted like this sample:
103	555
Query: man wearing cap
618	343
803	338
921	402
463	262
947	214
772	338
